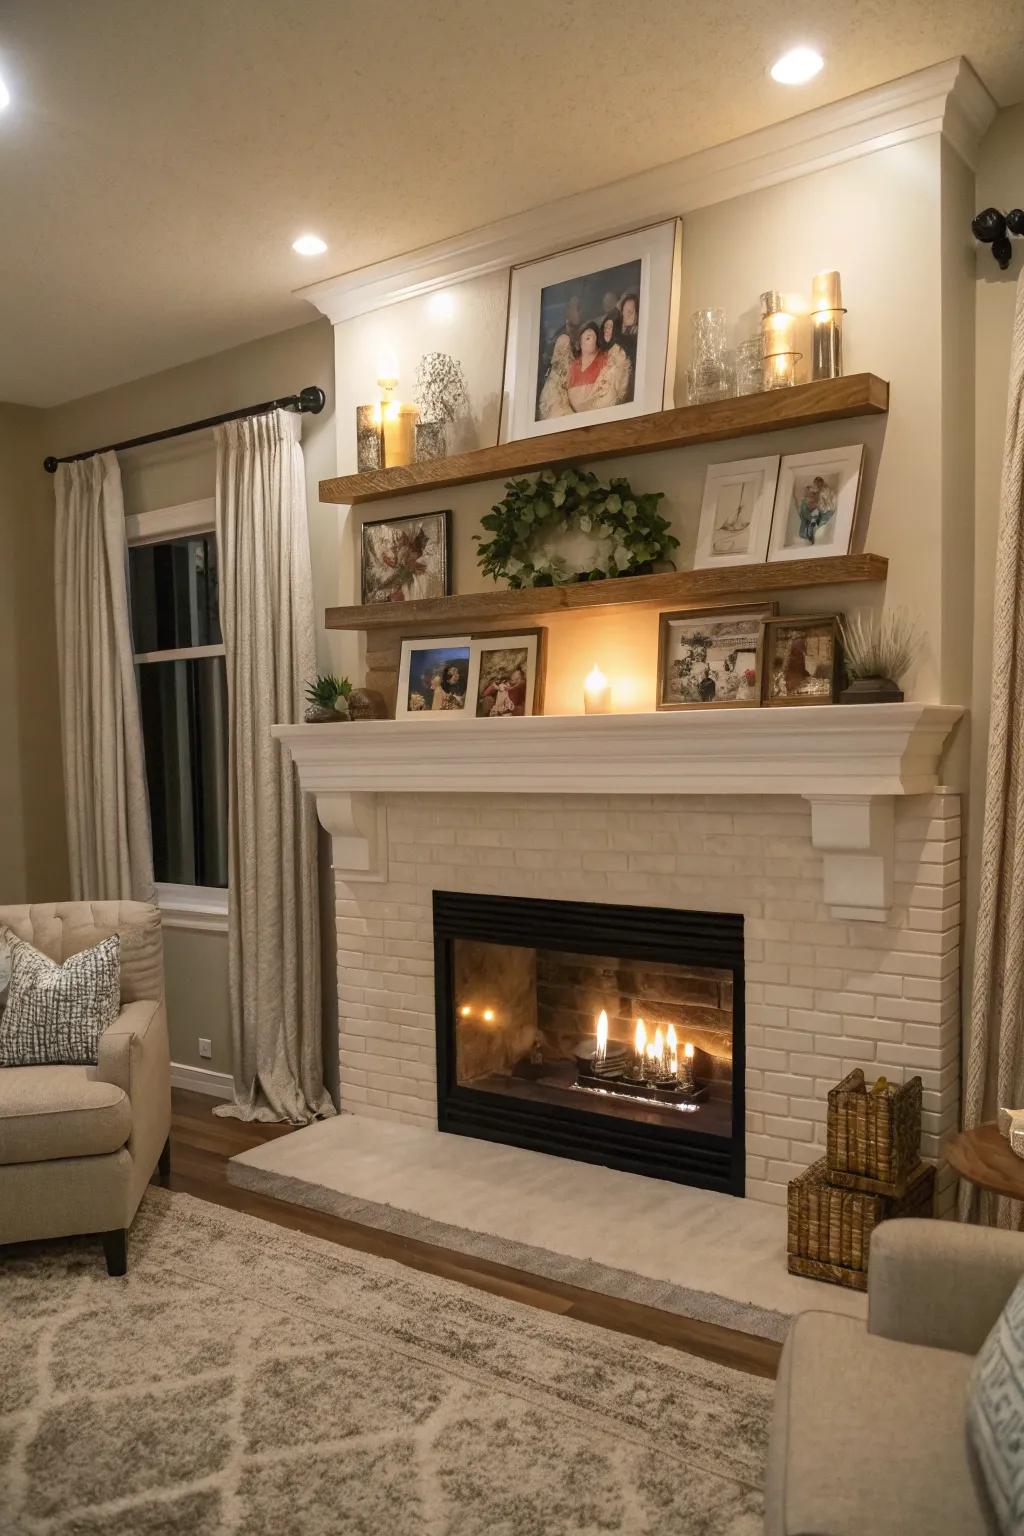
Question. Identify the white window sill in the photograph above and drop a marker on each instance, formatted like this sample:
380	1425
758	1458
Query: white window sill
204	909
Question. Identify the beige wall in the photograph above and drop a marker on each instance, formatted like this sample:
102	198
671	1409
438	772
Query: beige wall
33	855
1000	182
183	470
884	220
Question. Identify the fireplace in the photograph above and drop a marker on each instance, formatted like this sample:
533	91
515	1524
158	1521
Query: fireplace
610	1034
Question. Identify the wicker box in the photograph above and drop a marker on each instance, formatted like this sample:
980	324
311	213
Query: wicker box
830	1229
874	1139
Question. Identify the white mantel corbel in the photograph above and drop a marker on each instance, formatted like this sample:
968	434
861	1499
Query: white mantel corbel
849	762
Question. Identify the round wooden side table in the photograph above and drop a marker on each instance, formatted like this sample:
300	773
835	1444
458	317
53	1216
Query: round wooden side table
984	1158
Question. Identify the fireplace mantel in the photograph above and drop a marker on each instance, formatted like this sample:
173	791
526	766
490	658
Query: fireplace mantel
849	762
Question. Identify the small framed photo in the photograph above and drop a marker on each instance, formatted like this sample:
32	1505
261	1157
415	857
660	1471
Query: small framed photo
736	513
591	333
711	656
801	660
816	503
506	675
406	558
433	677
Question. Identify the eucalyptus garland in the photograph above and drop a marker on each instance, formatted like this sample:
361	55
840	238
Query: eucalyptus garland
626	535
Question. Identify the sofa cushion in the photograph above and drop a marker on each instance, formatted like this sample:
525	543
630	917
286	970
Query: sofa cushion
870	1435
55	1014
50	1112
995	1414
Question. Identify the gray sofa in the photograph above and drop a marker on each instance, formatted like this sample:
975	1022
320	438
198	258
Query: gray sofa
78	1145
868	1434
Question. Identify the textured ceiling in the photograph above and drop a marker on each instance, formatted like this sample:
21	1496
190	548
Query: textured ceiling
159	156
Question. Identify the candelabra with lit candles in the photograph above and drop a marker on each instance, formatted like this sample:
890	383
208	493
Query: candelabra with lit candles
652	1068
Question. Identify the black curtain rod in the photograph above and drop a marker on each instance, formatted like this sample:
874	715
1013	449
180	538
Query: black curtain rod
994	228
310	400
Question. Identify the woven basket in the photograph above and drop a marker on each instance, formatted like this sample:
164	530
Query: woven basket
829	1229
874	1139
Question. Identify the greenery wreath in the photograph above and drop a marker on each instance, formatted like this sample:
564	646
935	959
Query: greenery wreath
570	527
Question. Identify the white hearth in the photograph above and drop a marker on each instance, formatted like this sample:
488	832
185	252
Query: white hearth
823	826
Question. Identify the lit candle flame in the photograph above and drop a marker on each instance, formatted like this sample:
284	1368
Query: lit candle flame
659	1042
488	1015
672	1043
595	680
465	1011
602	1036
688	1051
640	1038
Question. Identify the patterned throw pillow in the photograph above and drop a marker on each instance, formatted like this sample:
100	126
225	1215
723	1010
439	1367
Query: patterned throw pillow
995	1414
5	968
55	1014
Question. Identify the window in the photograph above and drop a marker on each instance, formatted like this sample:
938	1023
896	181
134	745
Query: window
179	662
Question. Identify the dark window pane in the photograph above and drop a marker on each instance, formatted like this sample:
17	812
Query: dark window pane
174	594
185	732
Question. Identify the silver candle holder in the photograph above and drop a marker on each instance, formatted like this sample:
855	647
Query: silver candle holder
826	326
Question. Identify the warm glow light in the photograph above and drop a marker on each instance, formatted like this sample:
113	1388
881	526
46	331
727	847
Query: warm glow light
640	1038
672	1039
597	692
688	1051
659	1042
465	1011
5	96
488	1015
309	245
442	305
652	1054
602	1036
797	66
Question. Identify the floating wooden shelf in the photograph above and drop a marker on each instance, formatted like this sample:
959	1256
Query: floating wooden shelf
861	394
499	605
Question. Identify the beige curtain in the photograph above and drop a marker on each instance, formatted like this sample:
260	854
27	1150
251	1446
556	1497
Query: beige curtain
111	853
995	1038
266	609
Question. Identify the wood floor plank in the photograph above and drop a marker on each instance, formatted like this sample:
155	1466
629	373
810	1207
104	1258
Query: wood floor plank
202	1143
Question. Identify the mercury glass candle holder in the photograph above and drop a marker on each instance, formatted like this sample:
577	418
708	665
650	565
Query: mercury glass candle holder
431	440
826	326
778	330
709	376
369	445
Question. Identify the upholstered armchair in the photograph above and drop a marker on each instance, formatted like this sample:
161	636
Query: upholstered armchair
78	1145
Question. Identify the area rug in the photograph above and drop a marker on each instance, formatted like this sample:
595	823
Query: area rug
244	1378
693	1252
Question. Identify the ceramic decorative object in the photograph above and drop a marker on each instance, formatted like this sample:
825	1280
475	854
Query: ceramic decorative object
366	704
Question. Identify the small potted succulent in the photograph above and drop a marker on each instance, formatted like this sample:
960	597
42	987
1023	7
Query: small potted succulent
328	699
879	649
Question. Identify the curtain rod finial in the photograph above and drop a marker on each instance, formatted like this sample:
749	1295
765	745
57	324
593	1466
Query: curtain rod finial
312	399
50	464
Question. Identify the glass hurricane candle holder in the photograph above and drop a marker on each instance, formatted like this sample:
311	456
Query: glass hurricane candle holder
749	365
826	326
778	330
709	376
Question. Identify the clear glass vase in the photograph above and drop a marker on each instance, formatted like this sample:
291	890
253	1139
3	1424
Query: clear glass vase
710	375
749	356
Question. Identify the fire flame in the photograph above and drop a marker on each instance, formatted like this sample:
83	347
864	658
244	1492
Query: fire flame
602	1036
688	1051
659	1042
640	1038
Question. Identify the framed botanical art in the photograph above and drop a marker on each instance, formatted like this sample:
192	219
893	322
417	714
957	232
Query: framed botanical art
405	558
736	513
433	677
816	503
506	675
801	660
592	333
711	656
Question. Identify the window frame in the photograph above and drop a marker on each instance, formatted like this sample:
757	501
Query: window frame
202	908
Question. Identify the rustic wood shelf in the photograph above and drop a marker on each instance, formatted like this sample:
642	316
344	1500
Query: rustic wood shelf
500	605
861	394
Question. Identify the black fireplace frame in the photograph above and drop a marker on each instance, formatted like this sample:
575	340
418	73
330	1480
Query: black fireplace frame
678	1153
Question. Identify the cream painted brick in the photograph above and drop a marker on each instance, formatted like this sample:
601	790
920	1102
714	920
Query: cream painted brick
769	1103
781	1172
937	920
768	1060
770	1193
795	1130
864	1050
769	1018
788	1083
757	1167
811	1063
352	1094
768	1146
788	1040
789	997
815	1023
881	1029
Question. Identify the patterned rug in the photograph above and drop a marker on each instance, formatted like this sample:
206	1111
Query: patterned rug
244	1378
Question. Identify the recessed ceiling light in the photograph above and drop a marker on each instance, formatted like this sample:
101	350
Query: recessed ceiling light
309	245
797	66
5	96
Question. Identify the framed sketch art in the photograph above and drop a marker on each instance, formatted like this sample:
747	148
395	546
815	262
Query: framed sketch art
816	503
405	558
592	332
736	513
712	656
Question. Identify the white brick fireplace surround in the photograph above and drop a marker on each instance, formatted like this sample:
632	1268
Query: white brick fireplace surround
823	827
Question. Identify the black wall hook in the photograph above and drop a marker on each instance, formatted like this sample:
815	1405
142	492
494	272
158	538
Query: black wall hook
994	228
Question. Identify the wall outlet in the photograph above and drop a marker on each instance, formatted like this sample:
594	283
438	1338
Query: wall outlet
205	1048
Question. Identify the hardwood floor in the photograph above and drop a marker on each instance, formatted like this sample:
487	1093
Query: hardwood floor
201	1145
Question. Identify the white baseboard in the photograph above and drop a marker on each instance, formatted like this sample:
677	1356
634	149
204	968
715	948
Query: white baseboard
219	1085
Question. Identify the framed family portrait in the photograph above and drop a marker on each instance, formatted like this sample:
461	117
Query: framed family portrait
711	656
405	558
736	513
816	503
506	675
481	677
801	660
592	333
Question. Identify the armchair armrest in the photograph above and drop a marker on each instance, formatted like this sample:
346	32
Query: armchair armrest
940	1283
134	1053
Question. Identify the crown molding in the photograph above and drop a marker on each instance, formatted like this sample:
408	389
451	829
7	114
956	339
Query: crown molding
946	98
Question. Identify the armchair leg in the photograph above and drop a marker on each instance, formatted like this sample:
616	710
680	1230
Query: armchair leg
163	1167
115	1251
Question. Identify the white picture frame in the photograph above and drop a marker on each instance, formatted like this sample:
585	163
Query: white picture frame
426	654
644	261
839	470
736	513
